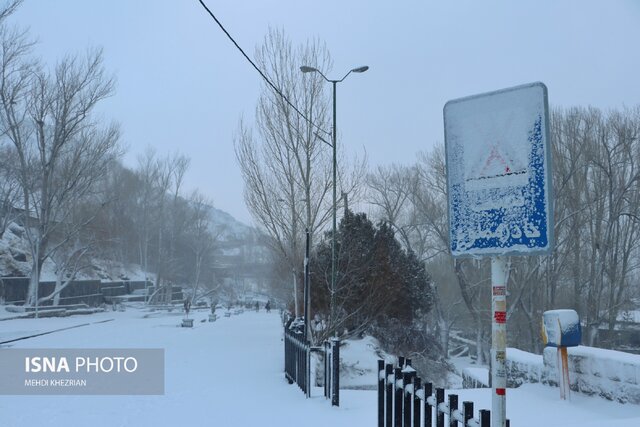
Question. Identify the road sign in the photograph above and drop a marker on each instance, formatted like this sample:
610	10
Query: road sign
498	172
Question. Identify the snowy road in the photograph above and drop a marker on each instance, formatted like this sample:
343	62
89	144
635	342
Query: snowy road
230	373
226	373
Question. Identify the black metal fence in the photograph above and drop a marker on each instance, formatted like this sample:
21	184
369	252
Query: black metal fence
297	362
404	401
331	350
297	358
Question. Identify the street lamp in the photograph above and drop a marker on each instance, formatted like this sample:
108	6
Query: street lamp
307	69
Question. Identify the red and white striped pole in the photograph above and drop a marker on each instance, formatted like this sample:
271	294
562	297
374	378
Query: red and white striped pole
499	269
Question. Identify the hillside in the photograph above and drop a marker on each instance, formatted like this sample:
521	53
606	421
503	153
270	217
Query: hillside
15	257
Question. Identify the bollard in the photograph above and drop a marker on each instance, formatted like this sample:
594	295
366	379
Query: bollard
335	371
428	411
439	414
417	403
453	405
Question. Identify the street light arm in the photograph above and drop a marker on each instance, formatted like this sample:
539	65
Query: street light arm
307	69
345	76
354	70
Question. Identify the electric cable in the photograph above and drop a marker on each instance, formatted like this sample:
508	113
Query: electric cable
283	96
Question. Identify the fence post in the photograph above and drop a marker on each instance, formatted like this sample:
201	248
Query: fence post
467	407
307	348
408	373
388	370
439	414
288	357
305	365
417	403
428	411
485	418
381	384
301	371
453	405
335	371
326	369
397	391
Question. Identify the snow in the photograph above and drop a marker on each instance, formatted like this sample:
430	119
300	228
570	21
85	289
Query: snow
524	357
610	356
480	374
230	372
632	316
359	363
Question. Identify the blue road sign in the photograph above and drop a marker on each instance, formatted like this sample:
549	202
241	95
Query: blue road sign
498	173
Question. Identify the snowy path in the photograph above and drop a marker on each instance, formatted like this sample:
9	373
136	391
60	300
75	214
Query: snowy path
230	373
226	373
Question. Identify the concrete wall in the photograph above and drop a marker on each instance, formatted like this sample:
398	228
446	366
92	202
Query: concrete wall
613	375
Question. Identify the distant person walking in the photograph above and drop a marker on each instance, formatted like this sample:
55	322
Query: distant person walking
268	306
187	306
257	306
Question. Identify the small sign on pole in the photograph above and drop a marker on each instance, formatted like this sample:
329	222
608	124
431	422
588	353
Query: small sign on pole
499	188
561	329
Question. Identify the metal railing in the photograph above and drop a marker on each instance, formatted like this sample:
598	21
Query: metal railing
297	362
404	401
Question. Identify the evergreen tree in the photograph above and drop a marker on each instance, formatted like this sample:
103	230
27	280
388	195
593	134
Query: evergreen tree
377	281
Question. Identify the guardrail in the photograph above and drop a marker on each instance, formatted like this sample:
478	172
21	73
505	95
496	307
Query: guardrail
404	401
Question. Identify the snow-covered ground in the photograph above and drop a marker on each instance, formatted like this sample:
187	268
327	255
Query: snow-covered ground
230	372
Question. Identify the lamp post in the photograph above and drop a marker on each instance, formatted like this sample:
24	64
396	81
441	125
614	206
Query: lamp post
307	69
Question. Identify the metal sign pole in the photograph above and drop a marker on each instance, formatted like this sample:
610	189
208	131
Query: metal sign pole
499	268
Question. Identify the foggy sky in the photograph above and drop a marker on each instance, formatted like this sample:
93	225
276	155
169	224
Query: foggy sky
183	86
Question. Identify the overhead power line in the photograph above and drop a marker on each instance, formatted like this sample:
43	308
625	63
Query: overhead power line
264	76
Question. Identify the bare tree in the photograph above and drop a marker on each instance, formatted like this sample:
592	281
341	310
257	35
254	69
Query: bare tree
287	168
390	189
69	260
62	151
203	235
9	187
8	8
147	173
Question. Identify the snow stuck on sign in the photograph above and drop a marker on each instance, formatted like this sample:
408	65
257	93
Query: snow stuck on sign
497	161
